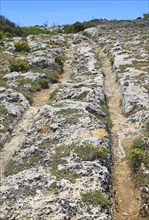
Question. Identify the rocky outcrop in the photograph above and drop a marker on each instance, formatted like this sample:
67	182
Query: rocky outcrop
128	54
66	153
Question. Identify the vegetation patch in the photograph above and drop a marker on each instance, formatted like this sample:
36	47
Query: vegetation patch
3	83
71	116
139	155
19	65
108	117
21	46
14	167
95	197
1	144
52	76
86	153
123	68
28	96
8	28
36	30
3	110
139	160
53	95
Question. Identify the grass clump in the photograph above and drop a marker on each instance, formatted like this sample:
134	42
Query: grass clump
14	167
3	110
53	95
21	46
29	97
108	117
95	197
19	65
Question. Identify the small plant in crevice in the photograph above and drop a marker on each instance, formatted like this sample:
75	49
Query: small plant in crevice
108	117
3	110
53	95
95	197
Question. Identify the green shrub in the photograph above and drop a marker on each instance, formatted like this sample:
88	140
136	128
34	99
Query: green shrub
135	156
95	197
59	61
9	28
77	27
36	30
146	15
22	46
19	65
53	77
138	143
102	152
43	83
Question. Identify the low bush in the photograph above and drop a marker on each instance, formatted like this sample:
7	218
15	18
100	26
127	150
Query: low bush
36	30
8	28
19	65
135	155
22	46
139	154
43	83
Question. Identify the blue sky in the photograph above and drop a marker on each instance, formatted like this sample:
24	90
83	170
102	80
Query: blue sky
37	12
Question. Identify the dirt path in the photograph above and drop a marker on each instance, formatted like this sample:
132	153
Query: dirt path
40	98
18	137
127	195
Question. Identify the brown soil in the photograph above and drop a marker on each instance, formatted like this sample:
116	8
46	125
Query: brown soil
126	192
